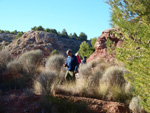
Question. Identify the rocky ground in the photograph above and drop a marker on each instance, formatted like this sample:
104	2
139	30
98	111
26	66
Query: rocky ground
15	101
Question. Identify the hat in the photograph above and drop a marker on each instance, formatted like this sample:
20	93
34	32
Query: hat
77	54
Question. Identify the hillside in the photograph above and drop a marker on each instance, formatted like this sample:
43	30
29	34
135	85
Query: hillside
6	38
44	41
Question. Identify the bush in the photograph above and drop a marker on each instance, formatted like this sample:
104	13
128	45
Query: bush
135	105
19	34
113	75
31	60
5	57
14	66
55	63
46	80
86	70
85	49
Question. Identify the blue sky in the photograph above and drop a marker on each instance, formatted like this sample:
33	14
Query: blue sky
88	16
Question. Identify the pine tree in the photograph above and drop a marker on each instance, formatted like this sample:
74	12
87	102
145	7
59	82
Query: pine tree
132	17
64	33
85	49
83	36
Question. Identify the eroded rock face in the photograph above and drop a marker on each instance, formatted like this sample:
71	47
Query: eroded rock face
6	38
44	41
101	48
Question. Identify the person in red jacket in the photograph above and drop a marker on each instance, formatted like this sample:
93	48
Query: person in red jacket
78	59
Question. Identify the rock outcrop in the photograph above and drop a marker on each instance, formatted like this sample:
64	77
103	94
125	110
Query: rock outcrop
44	41
101	48
6	38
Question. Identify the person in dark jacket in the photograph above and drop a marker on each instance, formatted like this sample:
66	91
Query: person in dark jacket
83	61
71	64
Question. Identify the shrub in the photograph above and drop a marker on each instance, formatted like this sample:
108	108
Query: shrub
135	105
94	79
85	49
19	34
133	23
101	67
113	75
86	70
55	63
46	80
5	57
31	60
14	66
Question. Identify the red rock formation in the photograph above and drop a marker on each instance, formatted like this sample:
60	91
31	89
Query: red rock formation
100	45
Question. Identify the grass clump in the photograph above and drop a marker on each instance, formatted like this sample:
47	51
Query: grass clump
5	57
55	63
135	105
46	80
31	60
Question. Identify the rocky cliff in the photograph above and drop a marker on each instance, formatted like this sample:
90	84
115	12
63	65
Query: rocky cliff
6	38
44	41
101	48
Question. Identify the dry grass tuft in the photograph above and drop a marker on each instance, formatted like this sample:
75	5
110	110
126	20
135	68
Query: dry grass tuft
46	80
55	63
135	105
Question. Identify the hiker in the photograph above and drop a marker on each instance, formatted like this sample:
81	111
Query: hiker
84	60
78	59
71	64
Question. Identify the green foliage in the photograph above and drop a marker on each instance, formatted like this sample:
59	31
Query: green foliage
14	32
64	33
2	31
6	31
110	46
83	36
75	36
54	52
34	28
51	30
19	34
85	49
39	28
93	41
133	20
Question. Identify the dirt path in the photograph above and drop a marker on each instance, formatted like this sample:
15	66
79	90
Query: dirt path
17	102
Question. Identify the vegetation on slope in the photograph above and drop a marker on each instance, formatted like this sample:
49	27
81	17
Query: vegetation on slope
132	17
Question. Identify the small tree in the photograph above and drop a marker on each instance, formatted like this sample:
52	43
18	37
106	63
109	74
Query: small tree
75	36
93	41
64	33
14	32
34	28
19	34
40	28
85	49
132	17
83	36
